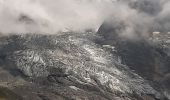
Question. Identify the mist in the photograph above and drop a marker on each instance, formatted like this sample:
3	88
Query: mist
41	16
140	18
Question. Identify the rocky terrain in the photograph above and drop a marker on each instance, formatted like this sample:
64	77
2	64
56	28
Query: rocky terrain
84	50
77	66
147	56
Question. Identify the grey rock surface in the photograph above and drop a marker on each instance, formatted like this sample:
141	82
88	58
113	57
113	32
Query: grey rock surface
147	56
70	66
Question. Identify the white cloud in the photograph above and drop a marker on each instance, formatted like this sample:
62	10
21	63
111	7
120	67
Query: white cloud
52	15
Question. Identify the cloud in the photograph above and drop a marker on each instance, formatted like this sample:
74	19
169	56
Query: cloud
42	16
140	17
137	17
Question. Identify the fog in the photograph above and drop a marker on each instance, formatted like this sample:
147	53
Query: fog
42	16
139	18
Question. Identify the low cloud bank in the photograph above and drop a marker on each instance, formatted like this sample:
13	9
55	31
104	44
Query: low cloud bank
135	18
42	16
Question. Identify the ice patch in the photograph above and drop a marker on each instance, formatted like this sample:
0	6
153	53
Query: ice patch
94	55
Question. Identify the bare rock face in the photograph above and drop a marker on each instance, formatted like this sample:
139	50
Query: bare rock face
68	66
147	56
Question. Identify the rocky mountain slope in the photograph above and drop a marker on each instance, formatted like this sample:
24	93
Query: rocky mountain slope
147	56
124	60
73	66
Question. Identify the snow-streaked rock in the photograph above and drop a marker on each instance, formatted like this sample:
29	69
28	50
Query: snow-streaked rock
72	59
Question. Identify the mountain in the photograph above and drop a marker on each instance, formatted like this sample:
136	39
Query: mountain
72	66
62	57
147	56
